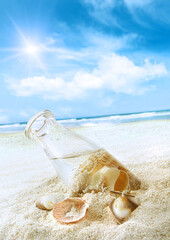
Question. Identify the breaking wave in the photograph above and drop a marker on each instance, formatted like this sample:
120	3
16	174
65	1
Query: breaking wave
92	121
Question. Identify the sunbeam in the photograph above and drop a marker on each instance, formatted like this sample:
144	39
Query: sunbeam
29	50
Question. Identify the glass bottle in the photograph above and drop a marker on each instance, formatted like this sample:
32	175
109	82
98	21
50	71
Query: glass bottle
76	159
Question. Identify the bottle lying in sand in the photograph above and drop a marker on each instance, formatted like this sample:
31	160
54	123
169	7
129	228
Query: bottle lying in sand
80	163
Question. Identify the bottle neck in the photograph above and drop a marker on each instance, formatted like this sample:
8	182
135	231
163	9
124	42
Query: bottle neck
56	140
37	123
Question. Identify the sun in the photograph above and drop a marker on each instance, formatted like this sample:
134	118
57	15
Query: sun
31	49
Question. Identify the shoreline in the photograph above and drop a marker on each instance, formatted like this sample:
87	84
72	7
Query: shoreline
97	120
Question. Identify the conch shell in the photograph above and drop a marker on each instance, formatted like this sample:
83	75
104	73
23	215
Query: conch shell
122	207
106	171
110	177
115	179
70	210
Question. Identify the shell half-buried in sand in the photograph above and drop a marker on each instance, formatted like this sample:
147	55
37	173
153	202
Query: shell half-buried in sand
70	210
47	202
122	207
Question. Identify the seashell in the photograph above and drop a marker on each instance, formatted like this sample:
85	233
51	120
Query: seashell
110	161
115	179
122	207
96	181
47	202
122	182
129	196
110	177
70	210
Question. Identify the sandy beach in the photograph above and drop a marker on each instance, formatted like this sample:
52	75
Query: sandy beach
26	173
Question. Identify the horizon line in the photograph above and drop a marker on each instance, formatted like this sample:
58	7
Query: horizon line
89	117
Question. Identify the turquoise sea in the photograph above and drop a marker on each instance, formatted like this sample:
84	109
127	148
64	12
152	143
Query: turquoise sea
92	121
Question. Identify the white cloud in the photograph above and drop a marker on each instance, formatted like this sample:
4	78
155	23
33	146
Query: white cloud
114	72
137	3
102	11
100	4
95	45
85	80
35	85
121	75
157	10
101	44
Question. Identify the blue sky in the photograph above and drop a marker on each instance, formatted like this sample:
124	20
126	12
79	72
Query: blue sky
83	57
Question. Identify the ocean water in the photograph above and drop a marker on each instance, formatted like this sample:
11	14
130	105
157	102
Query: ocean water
92	121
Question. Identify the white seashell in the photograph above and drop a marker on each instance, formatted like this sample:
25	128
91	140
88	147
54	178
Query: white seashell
122	207
96	181
115	179
110	176
47	202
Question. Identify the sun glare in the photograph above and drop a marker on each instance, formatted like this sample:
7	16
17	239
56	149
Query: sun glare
31	49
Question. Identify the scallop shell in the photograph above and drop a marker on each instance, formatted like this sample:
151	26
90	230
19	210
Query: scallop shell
70	210
127	205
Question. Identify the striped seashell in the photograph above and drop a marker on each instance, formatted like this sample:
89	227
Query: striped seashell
70	210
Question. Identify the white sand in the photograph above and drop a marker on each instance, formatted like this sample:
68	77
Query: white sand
26	174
